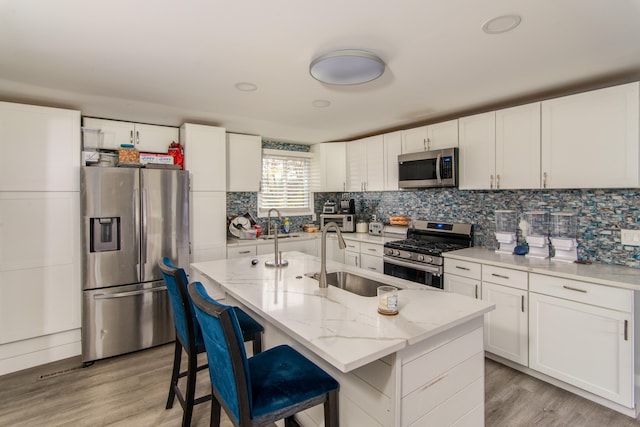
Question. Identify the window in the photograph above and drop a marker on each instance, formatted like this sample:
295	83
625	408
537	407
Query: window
286	183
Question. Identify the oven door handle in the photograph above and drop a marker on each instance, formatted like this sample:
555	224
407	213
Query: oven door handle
436	271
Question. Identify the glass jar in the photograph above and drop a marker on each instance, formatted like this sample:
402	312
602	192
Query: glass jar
127	154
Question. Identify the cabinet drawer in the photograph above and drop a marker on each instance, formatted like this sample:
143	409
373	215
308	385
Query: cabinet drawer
588	293
371	249
352	246
371	263
241	251
505	276
462	268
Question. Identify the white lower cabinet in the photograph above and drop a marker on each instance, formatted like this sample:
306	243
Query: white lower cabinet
462	277
352	253
241	251
586	341
305	246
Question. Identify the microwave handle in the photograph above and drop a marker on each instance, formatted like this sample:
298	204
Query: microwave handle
438	168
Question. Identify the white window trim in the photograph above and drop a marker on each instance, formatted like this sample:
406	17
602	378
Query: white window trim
285	212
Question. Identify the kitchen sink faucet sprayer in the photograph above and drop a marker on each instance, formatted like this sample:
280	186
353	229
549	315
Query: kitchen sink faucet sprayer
323	254
277	260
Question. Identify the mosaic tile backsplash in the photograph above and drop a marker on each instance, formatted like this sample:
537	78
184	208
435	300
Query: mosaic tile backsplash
600	213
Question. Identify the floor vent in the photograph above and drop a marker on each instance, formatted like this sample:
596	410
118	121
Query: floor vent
60	372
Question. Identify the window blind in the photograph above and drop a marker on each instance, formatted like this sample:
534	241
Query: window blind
285	183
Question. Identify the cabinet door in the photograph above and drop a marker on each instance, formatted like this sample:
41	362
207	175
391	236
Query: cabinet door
352	259
245	251
462	285
208	212
205	156
392	149
442	135
372	263
414	140
506	328
244	162
477	151
518	147
329	167
584	345
375	163
155	139
40	148
590	140
356	165
113	133
290	245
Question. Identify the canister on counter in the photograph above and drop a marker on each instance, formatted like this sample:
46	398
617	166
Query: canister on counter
127	155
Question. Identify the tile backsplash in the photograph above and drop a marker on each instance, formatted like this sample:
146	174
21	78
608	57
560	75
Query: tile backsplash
600	213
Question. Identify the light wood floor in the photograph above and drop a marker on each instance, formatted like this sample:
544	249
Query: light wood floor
131	390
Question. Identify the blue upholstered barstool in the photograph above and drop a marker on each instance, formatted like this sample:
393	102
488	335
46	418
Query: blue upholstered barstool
256	391
189	337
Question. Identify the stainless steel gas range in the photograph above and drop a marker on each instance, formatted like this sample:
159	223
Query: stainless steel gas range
418	257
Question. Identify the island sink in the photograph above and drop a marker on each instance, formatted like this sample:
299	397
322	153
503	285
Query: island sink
351	282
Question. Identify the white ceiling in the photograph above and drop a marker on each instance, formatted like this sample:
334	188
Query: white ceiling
173	61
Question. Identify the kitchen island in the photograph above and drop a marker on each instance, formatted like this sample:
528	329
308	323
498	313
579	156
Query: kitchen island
424	366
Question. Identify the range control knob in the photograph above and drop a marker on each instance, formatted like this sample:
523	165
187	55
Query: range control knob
396	252
420	257
429	259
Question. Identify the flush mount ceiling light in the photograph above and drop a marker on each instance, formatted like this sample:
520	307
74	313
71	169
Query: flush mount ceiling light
320	103
501	24
346	67
245	86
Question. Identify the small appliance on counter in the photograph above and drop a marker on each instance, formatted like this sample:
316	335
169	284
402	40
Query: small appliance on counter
346	223
375	228
564	227
506	229
329	208
347	206
535	230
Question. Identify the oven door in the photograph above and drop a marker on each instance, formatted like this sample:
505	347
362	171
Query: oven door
429	275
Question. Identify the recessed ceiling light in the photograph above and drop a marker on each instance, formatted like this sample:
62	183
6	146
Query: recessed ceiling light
501	24
346	67
246	86
320	103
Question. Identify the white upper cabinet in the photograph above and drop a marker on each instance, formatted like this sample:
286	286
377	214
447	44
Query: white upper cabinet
40	148
244	162
329	167
205	159
518	147
477	151
365	164
392	149
145	138
431	137
590	140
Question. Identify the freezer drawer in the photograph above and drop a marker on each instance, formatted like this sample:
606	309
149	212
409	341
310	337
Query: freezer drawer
123	319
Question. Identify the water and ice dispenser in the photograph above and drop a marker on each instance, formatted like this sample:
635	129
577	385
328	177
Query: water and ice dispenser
506	229
564	228
104	234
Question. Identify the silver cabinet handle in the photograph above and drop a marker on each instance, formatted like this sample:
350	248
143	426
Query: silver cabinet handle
574	289
522	303
491	182
626	330
500	276
544	180
372	268
498	182
476	291
244	252
372	250
131	137
462	268
137	137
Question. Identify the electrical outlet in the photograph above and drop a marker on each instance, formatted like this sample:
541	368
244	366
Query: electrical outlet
630	237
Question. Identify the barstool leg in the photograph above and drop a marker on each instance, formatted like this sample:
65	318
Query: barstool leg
192	370
257	343
177	359
331	418
215	411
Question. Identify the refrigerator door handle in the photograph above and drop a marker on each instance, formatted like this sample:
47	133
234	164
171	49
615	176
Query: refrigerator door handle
143	229
128	294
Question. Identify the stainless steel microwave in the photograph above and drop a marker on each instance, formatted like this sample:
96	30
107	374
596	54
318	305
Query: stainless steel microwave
346	222
437	168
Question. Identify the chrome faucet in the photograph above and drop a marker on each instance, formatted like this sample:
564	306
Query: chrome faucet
277	260
323	252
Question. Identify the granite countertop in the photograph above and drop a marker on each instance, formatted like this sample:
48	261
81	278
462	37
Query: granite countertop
341	327
360	237
602	274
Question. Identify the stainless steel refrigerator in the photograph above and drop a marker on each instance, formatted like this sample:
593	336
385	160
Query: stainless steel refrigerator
131	217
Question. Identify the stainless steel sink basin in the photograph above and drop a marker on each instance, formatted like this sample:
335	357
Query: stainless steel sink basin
351	282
